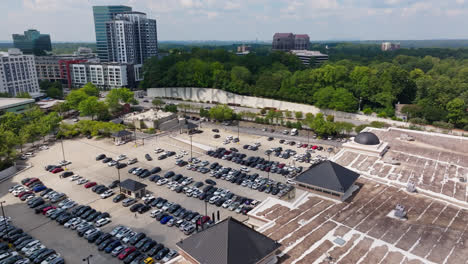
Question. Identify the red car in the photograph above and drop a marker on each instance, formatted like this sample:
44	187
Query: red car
44	211
90	184
24	193
56	170
203	220
304	145
314	147
126	252
281	165
31	181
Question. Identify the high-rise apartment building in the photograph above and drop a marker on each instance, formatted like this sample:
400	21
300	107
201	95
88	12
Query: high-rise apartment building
32	42
131	38
18	73
289	41
102	15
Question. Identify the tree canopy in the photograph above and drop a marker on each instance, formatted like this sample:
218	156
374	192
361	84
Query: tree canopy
356	75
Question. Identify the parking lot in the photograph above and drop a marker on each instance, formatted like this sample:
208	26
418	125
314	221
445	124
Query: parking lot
82	153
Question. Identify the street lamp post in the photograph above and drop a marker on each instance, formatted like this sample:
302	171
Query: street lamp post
63	151
206	207
191	147
118	172
87	258
269	163
238	137
308	137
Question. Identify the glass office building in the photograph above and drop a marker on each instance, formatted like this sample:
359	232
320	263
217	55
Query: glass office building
32	42
103	14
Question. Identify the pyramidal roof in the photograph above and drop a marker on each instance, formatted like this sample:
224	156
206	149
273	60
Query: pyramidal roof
329	175
228	242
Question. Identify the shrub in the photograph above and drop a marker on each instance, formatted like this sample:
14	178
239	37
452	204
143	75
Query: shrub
330	118
443	124
382	114
418	121
367	111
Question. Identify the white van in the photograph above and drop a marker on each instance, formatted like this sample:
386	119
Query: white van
294	132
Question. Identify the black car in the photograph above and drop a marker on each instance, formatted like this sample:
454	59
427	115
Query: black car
153	251
136	207
105	243
148	245
114	184
155	170
137	238
142	242
198	184
270	138
120	165
92	238
154	178
131	257
100	157
215	130
66	174
148	157
144	174
162	157
37	253
102	237
106	160
208	181
216	136
169	174
162	253
143	209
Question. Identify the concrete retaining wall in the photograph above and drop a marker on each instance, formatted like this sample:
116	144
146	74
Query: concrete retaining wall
209	95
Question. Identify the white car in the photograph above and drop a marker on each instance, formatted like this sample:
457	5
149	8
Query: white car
158	150
64	163
14	187
121	157
183	152
82	181
107	193
44	147
162	181
50	258
147	197
70	222
75	177
112	163
155	212
227	203
132	161
179	156
289	181
103	221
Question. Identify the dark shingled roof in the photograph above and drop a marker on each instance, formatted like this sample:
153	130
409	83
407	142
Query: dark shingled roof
132	185
367	138
122	133
228	242
282	35
329	175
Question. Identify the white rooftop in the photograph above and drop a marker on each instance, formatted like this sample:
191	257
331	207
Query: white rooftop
148	115
12	102
307	53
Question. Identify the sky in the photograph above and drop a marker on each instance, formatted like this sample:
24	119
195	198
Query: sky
72	20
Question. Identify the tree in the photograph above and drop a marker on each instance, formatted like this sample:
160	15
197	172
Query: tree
342	127
170	108
23	95
204	113
240	73
93	107
8	141
157	103
117	96
75	97
221	113
330	118
456	111
90	89
299	115
288	114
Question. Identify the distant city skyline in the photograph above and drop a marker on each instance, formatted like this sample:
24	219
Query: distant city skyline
229	20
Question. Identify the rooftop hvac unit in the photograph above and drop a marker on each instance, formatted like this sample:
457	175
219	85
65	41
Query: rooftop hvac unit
411	187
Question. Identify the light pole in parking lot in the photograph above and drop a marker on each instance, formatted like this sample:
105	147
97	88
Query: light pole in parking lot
190	147
87	258
269	163
238	122
118	172
308	137
63	151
